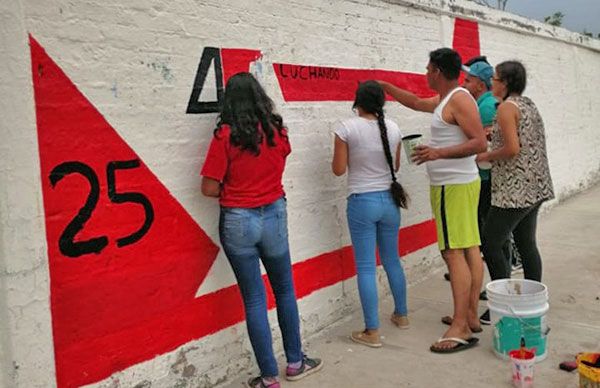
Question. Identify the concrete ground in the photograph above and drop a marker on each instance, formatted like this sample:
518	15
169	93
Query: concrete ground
569	240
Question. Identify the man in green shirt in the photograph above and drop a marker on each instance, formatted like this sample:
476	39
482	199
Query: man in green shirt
478	81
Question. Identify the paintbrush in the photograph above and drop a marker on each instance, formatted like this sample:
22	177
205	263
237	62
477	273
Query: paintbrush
522	348
593	364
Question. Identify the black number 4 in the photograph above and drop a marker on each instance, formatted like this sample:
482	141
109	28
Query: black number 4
66	243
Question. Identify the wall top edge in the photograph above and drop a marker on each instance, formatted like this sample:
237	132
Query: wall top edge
501	19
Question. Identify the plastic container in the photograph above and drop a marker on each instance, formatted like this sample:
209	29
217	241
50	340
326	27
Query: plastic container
589	376
410	142
518	309
522	367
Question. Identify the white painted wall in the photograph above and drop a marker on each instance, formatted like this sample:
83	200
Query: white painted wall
136	61
26	352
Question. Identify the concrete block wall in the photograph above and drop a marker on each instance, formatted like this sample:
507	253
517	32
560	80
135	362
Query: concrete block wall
91	83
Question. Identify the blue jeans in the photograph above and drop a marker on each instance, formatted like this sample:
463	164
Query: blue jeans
250	235
374	219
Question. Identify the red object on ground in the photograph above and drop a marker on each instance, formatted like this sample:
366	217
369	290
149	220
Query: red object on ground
522	354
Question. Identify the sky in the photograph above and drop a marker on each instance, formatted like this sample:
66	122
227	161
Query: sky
579	14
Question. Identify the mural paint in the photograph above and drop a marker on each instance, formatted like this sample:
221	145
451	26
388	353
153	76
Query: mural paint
308	83
225	63
125	257
313	83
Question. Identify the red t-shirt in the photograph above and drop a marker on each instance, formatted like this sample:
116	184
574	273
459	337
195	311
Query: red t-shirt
248	180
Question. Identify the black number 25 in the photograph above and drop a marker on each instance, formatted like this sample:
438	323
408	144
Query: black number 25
66	243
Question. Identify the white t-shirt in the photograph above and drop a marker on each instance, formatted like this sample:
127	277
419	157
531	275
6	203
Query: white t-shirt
368	169
450	171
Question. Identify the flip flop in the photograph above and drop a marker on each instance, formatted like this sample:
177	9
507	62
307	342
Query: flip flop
447	320
461	344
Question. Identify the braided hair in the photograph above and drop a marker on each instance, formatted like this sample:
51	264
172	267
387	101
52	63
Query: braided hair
370	97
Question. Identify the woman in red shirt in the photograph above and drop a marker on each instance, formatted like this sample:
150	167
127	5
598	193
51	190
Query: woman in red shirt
243	168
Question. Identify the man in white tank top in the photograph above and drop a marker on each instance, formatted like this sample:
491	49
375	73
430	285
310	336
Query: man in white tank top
456	137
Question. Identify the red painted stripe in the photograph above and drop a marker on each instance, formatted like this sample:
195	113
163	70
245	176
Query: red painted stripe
316	83
209	314
466	39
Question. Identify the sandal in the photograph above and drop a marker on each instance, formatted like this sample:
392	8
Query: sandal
447	320
461	344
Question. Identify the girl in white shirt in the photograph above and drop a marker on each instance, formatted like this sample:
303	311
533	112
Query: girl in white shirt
364	146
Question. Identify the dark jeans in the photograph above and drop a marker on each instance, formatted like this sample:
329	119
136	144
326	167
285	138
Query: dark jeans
485	202
522	222
250	235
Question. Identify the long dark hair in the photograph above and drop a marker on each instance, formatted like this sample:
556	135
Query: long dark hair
249	113
370	97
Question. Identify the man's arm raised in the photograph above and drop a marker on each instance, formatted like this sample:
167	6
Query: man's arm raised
409	99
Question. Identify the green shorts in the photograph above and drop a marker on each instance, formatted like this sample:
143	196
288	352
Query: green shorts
455	212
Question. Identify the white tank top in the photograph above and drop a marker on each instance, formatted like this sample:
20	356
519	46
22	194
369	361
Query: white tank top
450	171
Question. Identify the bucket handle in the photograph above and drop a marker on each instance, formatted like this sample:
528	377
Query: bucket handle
520	318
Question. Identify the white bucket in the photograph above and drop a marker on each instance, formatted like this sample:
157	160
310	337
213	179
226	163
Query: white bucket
518	309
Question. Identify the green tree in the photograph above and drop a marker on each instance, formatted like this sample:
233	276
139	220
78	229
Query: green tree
587	33
555	19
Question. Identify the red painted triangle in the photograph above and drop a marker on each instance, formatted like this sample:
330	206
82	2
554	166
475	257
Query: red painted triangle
97	295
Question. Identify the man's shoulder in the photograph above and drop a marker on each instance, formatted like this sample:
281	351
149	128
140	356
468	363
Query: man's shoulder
487	108
461	98
462	95
487	100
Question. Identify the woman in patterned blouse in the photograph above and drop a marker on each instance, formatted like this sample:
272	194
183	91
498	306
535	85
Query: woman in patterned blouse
521	179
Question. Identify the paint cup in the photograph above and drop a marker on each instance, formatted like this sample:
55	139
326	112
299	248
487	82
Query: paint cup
589	374
410	142
522	367
485	165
